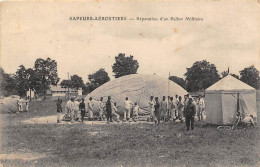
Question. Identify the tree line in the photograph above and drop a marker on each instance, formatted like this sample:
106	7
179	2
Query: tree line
44	74
198	77
203	74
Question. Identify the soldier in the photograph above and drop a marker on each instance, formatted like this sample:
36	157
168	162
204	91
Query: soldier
27	104
90	109
109	110
114	112
176	101
76	111
186	101
180	108
157	111
127	109
20	104
249	120
82	108
151	108
171	107
201	107
70	107
59	110
190	113
135	112
168	107
164	107
101	108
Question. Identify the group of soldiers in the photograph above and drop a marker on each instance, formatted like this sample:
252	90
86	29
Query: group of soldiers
75	110
165	110
20	103
176	109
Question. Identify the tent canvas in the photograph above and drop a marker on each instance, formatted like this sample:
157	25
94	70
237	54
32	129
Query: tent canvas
9	104
138	88
222	98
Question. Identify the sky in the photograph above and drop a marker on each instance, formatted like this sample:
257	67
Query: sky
228	36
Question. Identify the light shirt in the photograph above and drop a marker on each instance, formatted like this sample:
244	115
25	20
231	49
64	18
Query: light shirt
201	104
76	103
70	105
114	109
186	102
180	105
151	104
171	105
90	105
164	105
127	104
136	108
19	101
248	119
101	106
176	101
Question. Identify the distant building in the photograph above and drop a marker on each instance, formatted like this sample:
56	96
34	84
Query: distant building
62	91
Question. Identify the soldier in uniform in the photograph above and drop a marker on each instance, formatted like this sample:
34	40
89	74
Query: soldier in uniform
190	113
90	109
201	107
59	110
109	110
157	111
164	107
101	109
82	108
151	108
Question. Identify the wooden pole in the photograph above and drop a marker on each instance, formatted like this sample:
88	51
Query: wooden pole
169	84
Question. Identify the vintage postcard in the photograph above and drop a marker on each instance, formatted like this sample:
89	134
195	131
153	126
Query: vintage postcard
129	83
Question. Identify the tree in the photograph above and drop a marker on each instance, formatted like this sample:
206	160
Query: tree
21	80
124	65
250	75
97	79
76	82
224	74
179	81
84	89
47	72
8	83
66	83
201	75
234	75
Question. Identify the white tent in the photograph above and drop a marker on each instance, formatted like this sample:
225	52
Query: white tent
138	88
223	98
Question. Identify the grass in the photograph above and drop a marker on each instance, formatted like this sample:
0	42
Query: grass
128	145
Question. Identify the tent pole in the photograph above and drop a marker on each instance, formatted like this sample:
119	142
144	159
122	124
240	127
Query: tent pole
169	84
238	103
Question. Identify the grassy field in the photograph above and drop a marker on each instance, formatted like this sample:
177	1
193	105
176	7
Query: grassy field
168	144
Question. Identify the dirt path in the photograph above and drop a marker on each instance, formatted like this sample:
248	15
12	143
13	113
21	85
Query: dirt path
53	120
22	156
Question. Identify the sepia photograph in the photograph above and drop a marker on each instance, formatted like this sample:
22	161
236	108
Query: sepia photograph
142	83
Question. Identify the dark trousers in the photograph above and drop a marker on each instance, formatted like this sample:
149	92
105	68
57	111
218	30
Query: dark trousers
189	122
82	114
158	116
109	116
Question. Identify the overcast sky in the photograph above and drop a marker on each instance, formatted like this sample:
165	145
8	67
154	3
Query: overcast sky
228	36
